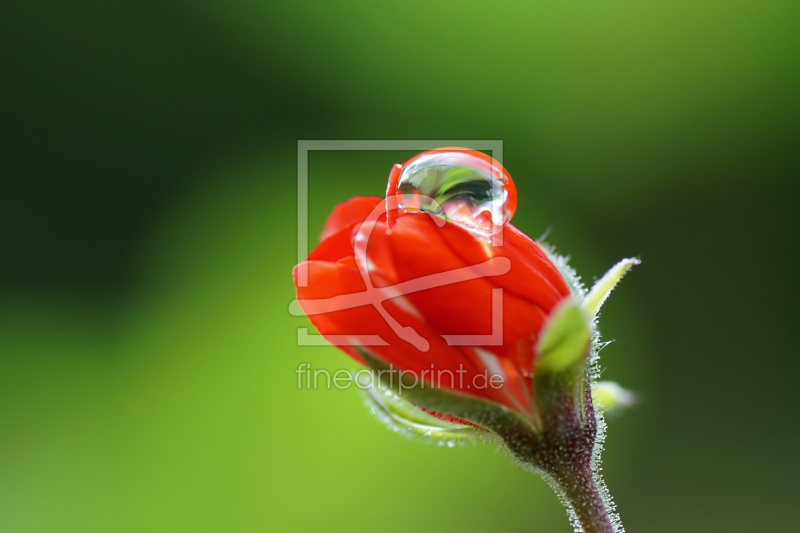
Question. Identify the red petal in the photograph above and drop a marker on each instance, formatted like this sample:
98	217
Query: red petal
443	365
420	248
352	211
520	245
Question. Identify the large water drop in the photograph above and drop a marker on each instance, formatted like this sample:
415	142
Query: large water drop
460	185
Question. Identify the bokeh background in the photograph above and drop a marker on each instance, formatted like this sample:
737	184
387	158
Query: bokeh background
147	203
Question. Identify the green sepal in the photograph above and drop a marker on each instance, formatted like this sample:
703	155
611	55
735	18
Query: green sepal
483	413
602	288
609	396
564	340
405	417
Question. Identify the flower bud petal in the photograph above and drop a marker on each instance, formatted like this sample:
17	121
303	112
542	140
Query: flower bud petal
348	213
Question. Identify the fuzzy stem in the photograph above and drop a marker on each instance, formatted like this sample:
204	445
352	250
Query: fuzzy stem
584	497
565	449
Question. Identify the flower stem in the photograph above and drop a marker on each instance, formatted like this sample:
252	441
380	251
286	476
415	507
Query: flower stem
584	497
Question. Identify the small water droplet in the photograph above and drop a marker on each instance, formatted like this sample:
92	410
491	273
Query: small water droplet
460	185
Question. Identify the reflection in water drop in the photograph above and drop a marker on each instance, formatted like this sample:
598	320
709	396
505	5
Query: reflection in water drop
460	185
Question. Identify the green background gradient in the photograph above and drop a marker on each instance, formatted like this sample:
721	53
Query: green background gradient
147	203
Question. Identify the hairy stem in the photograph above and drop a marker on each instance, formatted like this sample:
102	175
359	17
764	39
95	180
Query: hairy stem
584	497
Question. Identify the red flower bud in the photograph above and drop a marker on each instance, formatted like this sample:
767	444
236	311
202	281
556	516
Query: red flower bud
400	282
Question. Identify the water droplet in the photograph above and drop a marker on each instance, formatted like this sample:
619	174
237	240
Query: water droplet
460	185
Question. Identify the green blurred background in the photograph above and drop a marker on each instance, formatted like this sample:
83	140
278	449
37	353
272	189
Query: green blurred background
147	202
